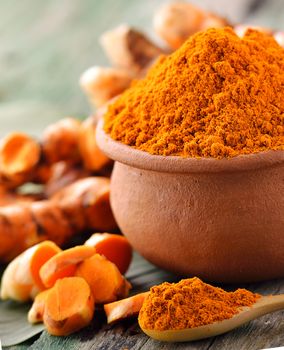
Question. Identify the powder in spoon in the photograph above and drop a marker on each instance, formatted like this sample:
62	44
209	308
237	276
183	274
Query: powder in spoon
217	96
191	303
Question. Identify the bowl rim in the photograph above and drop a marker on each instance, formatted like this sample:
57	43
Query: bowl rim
128	155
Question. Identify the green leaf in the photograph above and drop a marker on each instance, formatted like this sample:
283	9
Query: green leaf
14	327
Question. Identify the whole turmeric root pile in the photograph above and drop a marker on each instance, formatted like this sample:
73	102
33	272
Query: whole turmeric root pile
131	53
66	162
81	206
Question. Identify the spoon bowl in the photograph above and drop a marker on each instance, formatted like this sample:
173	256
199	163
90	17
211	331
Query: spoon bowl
263	306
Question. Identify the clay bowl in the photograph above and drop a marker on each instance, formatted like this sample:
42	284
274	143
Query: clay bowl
220	220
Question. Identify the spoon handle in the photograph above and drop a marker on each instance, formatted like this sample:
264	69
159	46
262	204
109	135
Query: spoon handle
267	304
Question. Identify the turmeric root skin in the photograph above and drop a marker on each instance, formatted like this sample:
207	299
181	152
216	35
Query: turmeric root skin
83	205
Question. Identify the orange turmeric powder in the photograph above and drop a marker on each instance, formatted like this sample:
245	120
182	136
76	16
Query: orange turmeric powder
190	303
217	96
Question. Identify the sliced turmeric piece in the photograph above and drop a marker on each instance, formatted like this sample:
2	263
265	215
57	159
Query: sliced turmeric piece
19	154
64	264
124	308
21	280
69	306
93	158
60	141
115	248
104	278
36	312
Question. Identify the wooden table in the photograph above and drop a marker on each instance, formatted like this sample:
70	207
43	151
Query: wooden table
45	46
265	332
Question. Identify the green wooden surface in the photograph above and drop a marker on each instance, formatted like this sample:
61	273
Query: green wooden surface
45	46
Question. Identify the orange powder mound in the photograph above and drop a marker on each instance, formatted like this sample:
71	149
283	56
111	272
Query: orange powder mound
191	303
217	96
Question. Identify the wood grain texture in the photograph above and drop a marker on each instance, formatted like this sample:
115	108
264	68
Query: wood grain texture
267	331
45	46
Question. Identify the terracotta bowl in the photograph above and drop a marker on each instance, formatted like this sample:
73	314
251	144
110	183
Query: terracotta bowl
220	220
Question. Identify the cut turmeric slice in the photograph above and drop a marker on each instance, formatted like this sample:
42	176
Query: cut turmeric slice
64	264
104	278
36	312
19	154
21	280
69	306
124	308
115	248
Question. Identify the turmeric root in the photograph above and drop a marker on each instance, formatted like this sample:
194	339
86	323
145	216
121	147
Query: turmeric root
115	248
63	174
175	22
64	264
83	205
129	49
60	141
19	155
103	83
279	37
9	197
86	203
241	29
124	308
36	312
42	173
104	278
93	158
18	231
69	306
21	280
211	20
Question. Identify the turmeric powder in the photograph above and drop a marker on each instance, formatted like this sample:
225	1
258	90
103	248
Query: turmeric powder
190	303
217	96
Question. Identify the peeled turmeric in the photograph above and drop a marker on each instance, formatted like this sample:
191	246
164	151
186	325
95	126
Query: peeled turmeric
69	306
64	264
124	308
104	278
21	280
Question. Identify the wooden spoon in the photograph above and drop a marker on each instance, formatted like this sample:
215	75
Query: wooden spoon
263	306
